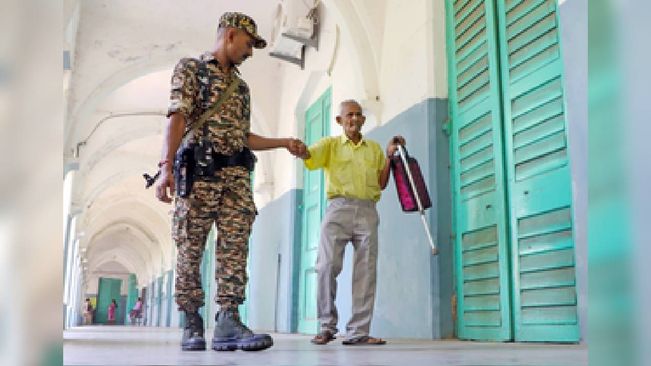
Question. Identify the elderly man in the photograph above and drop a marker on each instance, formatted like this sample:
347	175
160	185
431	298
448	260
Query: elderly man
356	172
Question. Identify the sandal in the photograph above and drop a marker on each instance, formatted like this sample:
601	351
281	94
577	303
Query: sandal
323	338
363	341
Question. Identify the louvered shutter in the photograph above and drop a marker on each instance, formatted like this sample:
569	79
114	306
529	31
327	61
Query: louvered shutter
538	172
481	249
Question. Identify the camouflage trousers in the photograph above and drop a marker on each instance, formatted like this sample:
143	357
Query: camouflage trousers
228	202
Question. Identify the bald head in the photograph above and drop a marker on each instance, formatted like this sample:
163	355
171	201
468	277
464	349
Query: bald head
351	118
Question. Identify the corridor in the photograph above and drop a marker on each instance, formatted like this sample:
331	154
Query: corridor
491	106
126	345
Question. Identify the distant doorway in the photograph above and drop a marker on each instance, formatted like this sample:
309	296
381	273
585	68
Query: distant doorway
107	290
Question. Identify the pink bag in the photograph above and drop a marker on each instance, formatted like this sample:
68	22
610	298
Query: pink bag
405	192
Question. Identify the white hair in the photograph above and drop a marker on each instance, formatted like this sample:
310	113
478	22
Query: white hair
348	101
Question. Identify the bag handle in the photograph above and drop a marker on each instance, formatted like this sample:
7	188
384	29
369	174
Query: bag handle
404	148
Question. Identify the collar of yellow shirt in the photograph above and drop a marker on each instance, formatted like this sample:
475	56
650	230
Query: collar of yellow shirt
344	139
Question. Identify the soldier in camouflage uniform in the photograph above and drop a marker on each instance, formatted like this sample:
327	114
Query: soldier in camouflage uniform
225	197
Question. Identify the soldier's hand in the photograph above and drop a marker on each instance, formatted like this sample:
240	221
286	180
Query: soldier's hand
301	150
293	146
165	182
392	146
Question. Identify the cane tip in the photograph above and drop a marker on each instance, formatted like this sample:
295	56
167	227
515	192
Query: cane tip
435	251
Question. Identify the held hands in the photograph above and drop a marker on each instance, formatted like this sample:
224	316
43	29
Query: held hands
392	146
297	148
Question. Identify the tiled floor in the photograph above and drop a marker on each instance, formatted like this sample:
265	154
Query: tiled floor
121	345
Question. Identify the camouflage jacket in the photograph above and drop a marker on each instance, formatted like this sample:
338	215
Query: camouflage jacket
195	88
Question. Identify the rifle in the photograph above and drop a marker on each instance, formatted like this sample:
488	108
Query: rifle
150	180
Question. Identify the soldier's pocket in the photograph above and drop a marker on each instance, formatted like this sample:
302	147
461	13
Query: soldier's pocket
180	221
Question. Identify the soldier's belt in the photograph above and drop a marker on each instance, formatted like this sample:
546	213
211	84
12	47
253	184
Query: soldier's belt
209	162
244	158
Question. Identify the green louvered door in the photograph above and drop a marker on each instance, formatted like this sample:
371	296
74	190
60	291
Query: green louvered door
512	184
317	120
538	172
132	296
481	250
159	300
107	290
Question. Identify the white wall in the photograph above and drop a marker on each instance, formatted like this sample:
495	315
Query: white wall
381	53
406	73
299	89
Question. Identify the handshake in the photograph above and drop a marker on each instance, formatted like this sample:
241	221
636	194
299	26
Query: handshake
297	148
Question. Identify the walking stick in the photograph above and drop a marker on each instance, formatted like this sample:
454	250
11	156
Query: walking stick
421	210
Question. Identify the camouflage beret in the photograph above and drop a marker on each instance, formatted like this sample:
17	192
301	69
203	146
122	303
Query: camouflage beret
245	23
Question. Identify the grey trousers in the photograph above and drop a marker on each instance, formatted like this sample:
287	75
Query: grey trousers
356	221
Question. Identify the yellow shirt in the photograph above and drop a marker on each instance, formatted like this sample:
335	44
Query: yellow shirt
351	171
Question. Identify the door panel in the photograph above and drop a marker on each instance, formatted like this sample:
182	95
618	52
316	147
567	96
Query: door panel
538	174
510	172
108	289
317	120
170	298
159	300
132	297
480	223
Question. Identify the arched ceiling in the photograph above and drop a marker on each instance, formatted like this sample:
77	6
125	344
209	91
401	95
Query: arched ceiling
124	52
117	95
119	41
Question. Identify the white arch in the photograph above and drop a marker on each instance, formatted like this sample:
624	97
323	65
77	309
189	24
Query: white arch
125	256
364	57
134	170
106	257
142	235
158	61
85	109
93	154
131	200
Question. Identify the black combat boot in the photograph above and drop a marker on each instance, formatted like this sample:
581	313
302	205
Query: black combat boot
193	333
230	334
